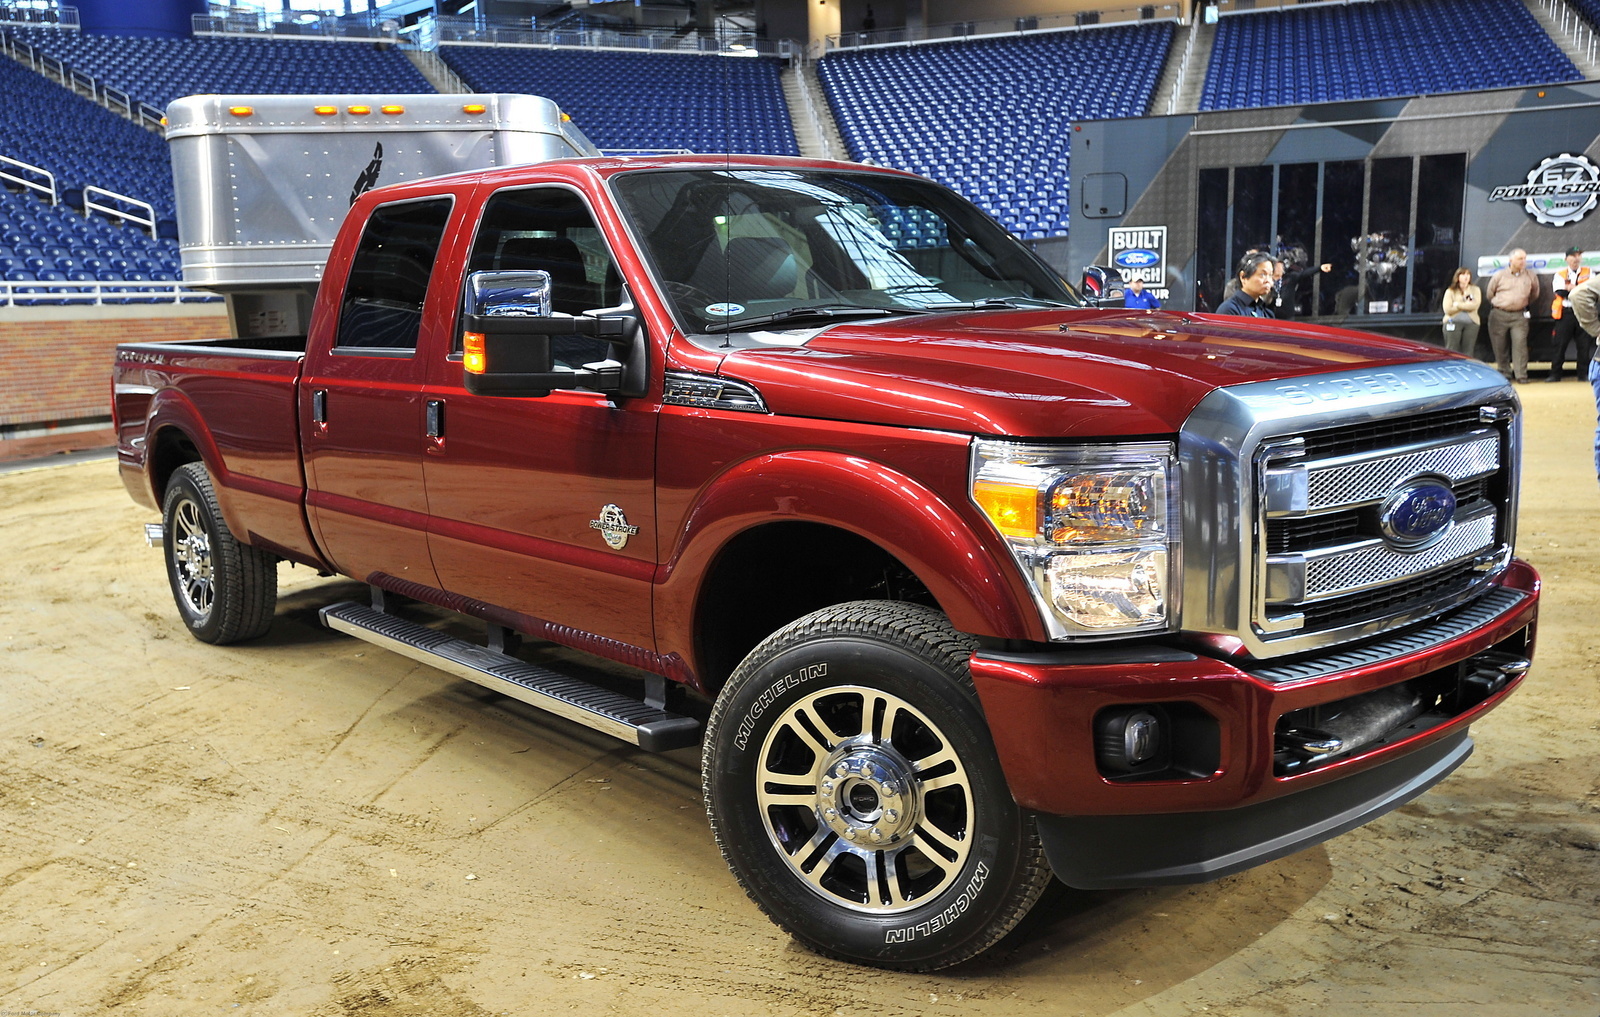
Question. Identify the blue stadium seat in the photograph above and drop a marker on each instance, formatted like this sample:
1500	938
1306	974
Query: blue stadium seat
991	117
640	101
1336	52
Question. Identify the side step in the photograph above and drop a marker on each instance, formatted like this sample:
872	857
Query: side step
617	715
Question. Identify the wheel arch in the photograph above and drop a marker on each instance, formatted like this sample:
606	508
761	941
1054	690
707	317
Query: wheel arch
793	532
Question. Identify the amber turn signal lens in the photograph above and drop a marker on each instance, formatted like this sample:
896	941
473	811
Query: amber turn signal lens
324	111
1013	508
360	111
391	110
241	111
475	361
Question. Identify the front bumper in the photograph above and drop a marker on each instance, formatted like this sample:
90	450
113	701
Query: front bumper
1042	707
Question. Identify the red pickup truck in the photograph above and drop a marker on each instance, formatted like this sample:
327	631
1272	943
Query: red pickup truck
974	583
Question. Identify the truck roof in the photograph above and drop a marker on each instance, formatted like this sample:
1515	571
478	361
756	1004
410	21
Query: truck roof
609	166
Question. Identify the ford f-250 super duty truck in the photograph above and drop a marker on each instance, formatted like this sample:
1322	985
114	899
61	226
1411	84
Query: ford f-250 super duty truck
980	583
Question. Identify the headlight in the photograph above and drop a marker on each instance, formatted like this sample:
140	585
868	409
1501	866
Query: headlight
1091	528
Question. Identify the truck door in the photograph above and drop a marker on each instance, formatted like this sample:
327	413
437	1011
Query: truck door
546	506
362	411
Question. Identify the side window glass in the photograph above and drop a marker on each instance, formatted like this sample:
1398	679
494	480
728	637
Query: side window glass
388	282
550	230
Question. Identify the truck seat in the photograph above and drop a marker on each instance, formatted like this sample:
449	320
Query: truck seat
571	292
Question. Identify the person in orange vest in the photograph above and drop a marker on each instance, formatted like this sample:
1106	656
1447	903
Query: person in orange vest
1567	329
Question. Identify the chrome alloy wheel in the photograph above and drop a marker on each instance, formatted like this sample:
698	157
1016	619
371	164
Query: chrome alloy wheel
865	799
191	557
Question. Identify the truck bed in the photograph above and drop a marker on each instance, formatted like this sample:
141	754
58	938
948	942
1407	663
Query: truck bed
241	395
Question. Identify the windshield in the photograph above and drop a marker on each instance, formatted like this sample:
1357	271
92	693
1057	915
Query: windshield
786	248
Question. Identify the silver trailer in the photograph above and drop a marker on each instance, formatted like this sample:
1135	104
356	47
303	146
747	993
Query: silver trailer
264	181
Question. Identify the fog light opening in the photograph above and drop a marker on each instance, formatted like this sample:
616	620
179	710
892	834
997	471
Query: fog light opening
1131	739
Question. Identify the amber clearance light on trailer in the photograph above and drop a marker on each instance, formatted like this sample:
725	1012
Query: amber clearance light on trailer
474	360
359	111
241	111
474	108
392	110
324	111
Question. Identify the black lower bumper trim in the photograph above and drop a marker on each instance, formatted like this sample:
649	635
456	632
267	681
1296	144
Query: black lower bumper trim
1109	852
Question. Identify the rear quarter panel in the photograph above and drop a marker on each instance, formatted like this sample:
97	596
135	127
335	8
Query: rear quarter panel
237	410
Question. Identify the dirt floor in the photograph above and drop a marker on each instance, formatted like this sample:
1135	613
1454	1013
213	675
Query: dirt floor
309	825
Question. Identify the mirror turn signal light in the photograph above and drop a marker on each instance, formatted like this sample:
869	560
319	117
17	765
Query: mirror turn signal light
474	360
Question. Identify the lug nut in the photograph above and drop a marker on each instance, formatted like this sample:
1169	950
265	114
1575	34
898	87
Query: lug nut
891	815
877	834
831	813
850	834
841	770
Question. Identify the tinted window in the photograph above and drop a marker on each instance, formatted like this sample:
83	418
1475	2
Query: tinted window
745	243
389	277
550	230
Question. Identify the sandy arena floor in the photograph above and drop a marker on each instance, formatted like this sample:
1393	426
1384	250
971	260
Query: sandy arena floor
308	825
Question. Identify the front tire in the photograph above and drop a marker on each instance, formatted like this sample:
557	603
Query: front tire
226	591
855	791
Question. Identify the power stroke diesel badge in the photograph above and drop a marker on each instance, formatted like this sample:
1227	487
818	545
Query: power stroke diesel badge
613	526
1560	190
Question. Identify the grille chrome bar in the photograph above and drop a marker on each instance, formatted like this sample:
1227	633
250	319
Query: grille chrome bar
1307	577
1302	489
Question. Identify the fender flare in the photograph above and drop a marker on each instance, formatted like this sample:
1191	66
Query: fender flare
171	409
948	547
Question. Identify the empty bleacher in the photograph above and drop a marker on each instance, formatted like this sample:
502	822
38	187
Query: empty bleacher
43	124
1372	50
66	254
643	101
161	70
991	118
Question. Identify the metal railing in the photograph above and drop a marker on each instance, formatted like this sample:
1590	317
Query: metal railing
472	32
48	188
61	292
292	25
86	85
954	31
803	83
1183	71
43	17
118	209
1576	27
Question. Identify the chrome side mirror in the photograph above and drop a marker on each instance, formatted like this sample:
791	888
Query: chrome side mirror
507	332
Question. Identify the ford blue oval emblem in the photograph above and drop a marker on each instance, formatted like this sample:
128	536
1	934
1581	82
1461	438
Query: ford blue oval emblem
1418	513
1135	258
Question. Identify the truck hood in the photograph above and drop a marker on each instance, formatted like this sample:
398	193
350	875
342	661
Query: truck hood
1047	374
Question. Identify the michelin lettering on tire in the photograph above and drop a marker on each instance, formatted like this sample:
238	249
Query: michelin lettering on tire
957	907
770	694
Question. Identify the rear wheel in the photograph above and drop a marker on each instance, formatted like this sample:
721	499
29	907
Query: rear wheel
856	794
226	591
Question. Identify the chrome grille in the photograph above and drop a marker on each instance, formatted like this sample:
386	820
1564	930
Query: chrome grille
1372	479
1325	563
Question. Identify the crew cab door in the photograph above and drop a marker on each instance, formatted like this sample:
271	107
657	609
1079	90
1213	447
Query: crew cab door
362	412
546	506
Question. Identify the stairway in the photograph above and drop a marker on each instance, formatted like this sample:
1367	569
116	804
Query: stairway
432	66
814	127
1577	41
1192	69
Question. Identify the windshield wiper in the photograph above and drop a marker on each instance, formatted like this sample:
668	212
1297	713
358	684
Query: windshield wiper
1018	303
825	312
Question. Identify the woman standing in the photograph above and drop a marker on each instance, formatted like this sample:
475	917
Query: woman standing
1461	302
